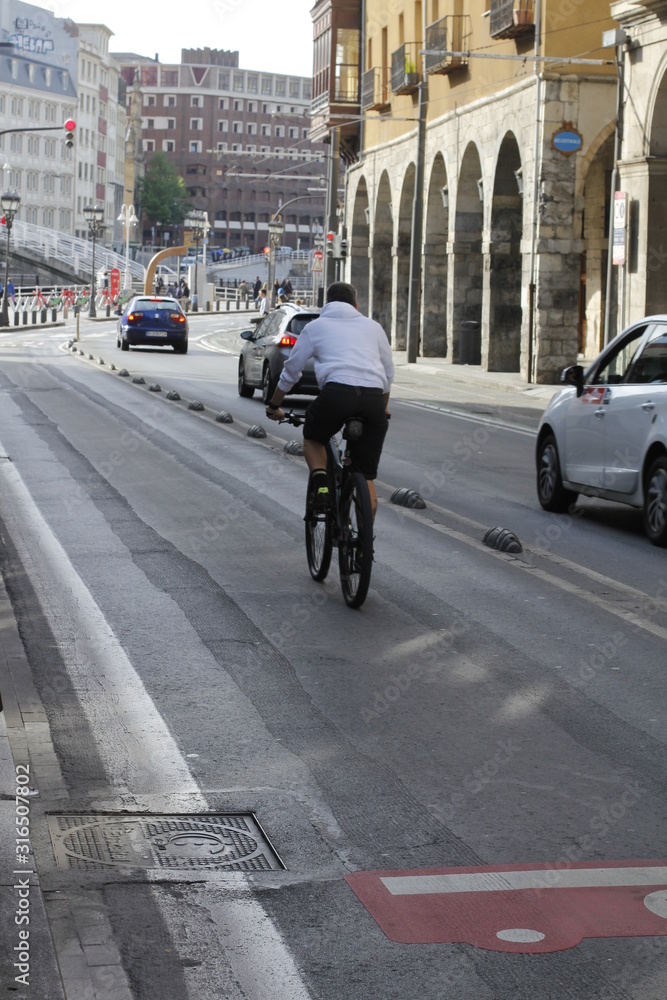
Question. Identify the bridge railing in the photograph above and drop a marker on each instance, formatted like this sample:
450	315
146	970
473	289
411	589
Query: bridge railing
69	252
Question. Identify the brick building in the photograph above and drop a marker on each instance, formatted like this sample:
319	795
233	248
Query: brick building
239	138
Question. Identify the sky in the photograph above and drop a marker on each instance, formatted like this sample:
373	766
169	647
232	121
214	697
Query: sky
271	35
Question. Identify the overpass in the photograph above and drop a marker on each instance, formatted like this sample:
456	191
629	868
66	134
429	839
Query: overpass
68	257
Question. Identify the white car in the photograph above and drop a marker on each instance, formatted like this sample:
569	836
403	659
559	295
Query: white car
605	435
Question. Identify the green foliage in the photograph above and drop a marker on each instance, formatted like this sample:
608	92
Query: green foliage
162	192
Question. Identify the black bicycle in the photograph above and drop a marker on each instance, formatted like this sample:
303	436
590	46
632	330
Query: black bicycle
348	523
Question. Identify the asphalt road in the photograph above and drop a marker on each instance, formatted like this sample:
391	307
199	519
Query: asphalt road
483	710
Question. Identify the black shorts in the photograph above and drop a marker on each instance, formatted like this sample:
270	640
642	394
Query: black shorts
328	412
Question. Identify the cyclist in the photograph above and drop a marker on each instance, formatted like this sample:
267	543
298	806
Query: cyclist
354	370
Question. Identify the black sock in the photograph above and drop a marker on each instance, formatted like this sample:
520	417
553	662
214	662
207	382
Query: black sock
319	472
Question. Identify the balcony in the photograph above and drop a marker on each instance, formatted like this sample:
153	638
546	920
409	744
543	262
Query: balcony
404	76
443	36
375	89
509	18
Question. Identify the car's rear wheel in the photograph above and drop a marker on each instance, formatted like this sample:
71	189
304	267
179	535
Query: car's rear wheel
268	385
181	348
124	345
245	390
655	502
550	490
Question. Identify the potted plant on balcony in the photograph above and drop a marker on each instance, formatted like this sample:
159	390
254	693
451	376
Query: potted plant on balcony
411	78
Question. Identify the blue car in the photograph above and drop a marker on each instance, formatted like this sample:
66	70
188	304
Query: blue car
153	321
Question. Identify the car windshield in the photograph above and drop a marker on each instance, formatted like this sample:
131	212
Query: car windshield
161	305
298	323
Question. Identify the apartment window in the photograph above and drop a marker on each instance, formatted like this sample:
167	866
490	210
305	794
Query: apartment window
307	90
252	107
149	145
280	132
223	104
266	130
169	77
169	101
222	147
280	88
251	149
265	149
251	128
304	133
237	127
252	83
294	133
194	147
223	125
168	145
15	144
238	81
17	106
238	105
195	102
149	100
171	123
150	123
294	88
266	85
235	147
279	151
196	124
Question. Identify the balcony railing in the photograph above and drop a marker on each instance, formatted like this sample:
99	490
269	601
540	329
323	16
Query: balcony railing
375	89
509	18
445	35
404	76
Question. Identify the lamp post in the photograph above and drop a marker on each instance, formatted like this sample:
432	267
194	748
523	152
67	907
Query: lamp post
10	205
276	230
199	227
94	215
129	218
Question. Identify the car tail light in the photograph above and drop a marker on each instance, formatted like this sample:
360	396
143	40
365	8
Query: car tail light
177	317
133	317
287	340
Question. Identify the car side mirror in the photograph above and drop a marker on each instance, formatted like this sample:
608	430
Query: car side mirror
248	334
574	375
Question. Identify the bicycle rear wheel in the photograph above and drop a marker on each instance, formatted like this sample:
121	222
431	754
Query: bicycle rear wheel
318	540
355	548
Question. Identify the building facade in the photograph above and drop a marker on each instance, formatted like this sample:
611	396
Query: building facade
496	119
642	165
240	140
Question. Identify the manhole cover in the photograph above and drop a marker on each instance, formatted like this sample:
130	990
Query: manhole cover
194	843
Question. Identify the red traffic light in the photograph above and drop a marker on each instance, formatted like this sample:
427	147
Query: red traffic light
70	125
330	237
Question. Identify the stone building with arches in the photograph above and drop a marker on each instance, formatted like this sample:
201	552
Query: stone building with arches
509	174
643	157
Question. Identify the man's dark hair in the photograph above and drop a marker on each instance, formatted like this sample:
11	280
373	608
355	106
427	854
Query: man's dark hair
340	291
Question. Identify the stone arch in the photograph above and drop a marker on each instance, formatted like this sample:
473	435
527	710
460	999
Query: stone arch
402	257
501	333
595	251
381	261
656	209
466	271
359	243
434	268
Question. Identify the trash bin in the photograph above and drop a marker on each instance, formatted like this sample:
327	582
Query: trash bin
470	347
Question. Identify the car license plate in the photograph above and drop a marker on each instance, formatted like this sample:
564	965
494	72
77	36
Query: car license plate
156	333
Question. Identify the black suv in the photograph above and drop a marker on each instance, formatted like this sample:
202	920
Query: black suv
267	348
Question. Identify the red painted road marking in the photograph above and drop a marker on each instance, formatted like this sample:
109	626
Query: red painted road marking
518	908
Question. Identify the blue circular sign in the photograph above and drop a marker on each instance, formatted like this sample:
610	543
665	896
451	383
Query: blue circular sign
567	141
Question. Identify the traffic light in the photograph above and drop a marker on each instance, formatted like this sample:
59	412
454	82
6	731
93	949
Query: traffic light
343	248
330	244
70	125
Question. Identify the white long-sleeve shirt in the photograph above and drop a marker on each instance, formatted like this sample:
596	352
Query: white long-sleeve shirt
345	347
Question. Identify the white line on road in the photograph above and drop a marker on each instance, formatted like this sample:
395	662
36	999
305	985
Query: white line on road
556	878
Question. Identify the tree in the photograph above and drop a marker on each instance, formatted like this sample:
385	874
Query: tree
162	192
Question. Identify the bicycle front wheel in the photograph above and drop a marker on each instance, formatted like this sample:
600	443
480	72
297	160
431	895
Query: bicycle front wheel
355	548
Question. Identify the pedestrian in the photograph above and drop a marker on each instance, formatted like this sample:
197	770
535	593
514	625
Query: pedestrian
185	294
11	293
256	288
287	288
262	302
275	292
244	291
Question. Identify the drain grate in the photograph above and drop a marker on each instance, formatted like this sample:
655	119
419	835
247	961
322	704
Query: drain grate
234	843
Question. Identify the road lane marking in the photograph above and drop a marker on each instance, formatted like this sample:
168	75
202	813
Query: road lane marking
575	878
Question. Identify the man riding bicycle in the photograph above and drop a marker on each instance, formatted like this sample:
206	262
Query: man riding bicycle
354	370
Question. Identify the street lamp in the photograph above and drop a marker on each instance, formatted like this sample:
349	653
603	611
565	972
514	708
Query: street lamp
94	215
199	226
128	218
276	230
10	205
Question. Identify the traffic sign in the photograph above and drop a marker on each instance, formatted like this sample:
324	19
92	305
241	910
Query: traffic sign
620	227
316	264
318	254
518	908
